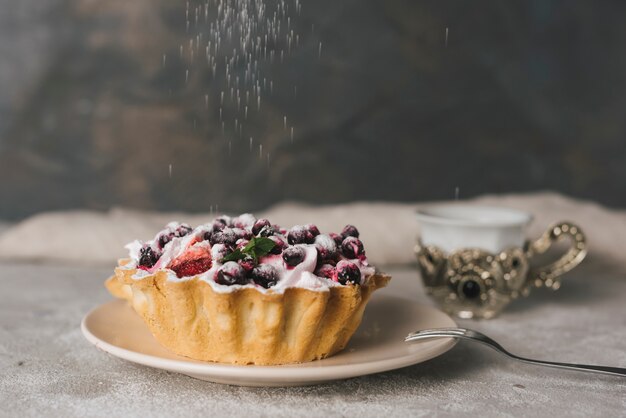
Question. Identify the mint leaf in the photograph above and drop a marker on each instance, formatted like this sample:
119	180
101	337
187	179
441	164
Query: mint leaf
249	248
257	247
234	256
262	246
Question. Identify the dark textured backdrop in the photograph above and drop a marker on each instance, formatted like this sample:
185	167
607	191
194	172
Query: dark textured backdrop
527	95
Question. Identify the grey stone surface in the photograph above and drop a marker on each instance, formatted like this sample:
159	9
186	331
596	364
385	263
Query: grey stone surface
49	369
526	96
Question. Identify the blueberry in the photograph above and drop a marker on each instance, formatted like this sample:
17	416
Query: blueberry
247	263
242	233
326	247
264	275
148	257
218	225
337	238
212	228
182	230
312	229
300	235
471	289
173	231
260	225
226	236
294	255
320	257
231	273
226	221
244	221
352	247
219	251
348	272
267	231
164	239
349	231
279	246
241	243
327	271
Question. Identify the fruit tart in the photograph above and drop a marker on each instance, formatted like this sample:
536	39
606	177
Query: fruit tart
242	290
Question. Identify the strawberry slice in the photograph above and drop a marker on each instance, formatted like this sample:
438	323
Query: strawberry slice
194	261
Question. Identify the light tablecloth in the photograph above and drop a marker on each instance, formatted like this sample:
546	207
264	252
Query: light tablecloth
49	369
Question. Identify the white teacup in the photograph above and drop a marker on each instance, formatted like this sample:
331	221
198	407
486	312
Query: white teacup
454	226
475	259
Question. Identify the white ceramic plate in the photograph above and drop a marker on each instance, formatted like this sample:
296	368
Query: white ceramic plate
377	346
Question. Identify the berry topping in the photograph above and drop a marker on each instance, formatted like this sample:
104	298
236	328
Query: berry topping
173	231
326	247
337	238
300	235
148	257
244	221
182	230
263	228
328	271
312	229
267	231
226	236
226	221
242	233
247	250
352	248
247	263
241	243
231	273
294	255
164	239
194	261
264	275
212	228
218	225
279	245
350	231
348	272
260	225
219	251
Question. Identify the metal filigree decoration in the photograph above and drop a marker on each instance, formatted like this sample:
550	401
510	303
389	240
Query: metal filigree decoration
472	283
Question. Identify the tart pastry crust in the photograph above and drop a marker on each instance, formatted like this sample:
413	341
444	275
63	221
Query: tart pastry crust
245	326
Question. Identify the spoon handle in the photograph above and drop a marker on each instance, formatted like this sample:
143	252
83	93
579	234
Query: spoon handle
468	334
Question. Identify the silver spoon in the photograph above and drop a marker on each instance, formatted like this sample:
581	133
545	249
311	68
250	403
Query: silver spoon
468	334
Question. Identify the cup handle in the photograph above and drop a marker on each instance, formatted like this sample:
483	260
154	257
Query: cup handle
549	275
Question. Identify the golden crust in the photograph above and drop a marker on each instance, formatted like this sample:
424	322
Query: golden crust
245	326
